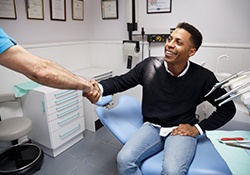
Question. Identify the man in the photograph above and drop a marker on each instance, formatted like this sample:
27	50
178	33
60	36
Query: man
173	87
43	71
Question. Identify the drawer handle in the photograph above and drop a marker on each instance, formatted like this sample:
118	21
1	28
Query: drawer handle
67	105
69	119
67	112
65	99
60	94
62	136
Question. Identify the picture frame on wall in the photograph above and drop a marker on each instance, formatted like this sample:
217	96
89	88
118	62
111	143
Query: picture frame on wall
109	9
8	9
58	10
159	6
35	9
78	10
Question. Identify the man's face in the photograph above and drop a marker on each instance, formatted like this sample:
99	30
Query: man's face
179	48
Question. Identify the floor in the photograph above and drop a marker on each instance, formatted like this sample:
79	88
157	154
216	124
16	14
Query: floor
95	154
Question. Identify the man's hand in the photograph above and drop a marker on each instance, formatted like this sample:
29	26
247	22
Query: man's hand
94	95
185	130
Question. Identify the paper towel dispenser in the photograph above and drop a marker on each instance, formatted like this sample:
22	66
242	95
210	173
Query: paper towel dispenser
131	48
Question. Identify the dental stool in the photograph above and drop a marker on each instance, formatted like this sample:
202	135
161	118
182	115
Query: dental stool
125	118
19	159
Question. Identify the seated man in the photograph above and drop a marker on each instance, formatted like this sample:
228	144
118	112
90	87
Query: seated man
173	87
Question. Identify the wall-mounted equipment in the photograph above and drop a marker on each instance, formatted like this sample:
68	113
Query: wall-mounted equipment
131	15
153	38
131	49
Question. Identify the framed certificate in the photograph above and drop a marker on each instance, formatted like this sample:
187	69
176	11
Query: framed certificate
109	9
159	6
78	10
58	10
34	9
8	9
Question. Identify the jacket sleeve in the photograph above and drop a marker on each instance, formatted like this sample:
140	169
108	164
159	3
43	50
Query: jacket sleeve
123	82
221	115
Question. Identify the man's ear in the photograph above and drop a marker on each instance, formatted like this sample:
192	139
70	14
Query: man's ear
192	52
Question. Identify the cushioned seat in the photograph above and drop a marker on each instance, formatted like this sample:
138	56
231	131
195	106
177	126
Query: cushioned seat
23	158
14	128
125	118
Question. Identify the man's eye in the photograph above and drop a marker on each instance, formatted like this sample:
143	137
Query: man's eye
179	42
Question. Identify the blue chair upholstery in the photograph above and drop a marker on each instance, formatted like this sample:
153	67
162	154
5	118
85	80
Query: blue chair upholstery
125	118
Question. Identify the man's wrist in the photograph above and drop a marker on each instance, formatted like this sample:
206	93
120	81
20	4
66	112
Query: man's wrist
199	129
101	89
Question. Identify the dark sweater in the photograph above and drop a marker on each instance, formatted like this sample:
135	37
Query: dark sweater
170	101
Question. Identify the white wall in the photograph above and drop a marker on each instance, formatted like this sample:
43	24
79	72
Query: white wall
223	21
96	42
29	31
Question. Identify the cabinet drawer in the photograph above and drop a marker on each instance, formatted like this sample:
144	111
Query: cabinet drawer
63	99
62	108
59	93
66	120
66	112
66	133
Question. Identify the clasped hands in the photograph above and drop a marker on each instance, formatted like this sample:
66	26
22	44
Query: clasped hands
93	95
185	130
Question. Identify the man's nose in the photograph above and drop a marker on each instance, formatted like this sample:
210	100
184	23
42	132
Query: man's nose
170	44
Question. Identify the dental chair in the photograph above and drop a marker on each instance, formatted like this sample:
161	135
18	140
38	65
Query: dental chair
125	118
18	159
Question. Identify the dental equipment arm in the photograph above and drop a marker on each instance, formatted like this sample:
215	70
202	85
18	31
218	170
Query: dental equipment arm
229	83
219	84
233	91
235	96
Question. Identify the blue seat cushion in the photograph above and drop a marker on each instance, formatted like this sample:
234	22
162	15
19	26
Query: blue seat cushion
207	161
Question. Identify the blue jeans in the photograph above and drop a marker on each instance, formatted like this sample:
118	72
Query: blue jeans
178	151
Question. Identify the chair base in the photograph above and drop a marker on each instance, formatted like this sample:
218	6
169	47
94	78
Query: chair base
21	159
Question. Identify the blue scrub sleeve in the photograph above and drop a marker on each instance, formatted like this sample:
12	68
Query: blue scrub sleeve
5	41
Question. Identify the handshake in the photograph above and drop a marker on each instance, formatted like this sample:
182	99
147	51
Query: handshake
94	94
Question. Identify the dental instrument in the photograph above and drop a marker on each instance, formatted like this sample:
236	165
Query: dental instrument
219	84
238	145
231	138
229	83
235	96
233	91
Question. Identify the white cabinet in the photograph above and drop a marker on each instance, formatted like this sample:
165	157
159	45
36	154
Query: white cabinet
57	118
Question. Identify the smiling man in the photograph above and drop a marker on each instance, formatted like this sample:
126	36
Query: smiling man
173	87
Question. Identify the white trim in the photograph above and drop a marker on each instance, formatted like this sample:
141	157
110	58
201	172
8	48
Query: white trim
45	45
227	45
211	45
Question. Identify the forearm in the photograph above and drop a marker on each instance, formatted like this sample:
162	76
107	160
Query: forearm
51	74
120	83
42	71
219	117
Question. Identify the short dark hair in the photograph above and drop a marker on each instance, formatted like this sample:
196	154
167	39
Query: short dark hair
196	36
